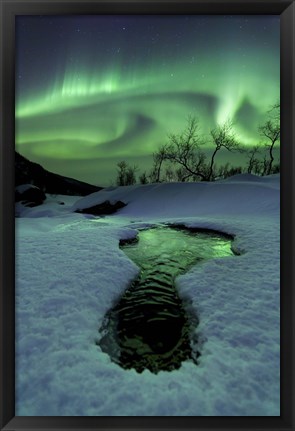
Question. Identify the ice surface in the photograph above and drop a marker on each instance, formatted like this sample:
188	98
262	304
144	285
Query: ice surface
70	270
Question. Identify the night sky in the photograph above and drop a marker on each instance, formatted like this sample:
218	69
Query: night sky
94	90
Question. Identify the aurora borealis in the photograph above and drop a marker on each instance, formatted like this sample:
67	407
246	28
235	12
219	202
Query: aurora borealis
94	90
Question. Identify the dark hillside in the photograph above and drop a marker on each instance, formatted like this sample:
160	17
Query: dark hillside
27	172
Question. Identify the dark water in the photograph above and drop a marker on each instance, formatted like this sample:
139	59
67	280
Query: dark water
151	326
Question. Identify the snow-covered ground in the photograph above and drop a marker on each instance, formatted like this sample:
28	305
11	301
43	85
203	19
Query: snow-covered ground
70	270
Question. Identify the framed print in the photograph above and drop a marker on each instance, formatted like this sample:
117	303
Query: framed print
147	215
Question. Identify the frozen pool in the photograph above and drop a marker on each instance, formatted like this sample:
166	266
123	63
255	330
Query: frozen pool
150	326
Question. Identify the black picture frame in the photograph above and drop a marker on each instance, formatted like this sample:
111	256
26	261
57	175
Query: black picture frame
10	9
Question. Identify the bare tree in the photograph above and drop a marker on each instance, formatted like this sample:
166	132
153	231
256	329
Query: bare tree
169	174
271	131
223	137
184	151
158	159
258	167
121	173
265	166
143	178
130	175
253	160
126	174
275	111
276	168
180	174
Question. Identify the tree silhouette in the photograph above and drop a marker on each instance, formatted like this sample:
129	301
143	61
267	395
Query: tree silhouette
143	178
184	160
184	150
271	131
121	173
126	174
158	158
223	137
253	163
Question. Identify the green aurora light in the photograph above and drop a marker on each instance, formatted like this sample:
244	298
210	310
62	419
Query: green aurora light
90	113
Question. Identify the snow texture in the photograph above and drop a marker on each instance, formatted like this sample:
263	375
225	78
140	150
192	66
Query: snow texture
70	271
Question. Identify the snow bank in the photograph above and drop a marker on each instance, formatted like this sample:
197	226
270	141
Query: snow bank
70	270
188	199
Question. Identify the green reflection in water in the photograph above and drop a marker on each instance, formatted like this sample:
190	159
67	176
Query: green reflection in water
178	245
150	327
